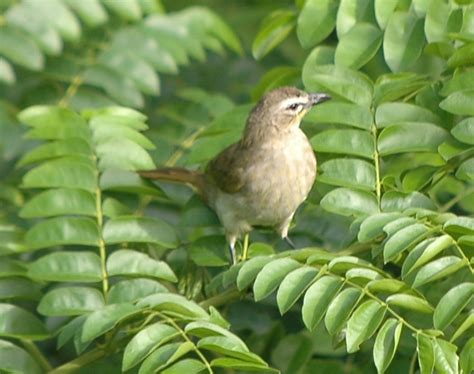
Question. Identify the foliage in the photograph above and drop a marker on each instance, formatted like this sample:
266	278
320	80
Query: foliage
102	270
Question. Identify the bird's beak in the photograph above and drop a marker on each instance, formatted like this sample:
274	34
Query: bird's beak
316	98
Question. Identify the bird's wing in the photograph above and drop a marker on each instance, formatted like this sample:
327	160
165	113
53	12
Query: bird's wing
227	169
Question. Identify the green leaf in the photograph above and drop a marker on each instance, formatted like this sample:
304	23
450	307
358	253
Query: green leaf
463	327
341	113
424	252
464	131
437	269
386	343
16	360
348	172
393	86
105	319
124	181
384	10
407	137
174	304
70	301
317	299
50	122
362	276
272	274
139	230
425	353
348	202
67	172
460	225
56	14
118	87
459	81
341	82
452	304
128	10
7	74
147	340
342	264
363	324
462	56
67	267
293	352
125	154
63	231
276	77
128	262
398	224
20	49
466	359
59	202
466	170
387	286
229	346
209	251
24	18
133	67
403	239
204	328
438	18
275	28
245	366
341	308
446	359
105	127
18	323
403	40
15	288
188	365
90	11
372	226
358	46
316	21
388	114
410	302
158	358
395	201
64	147
250	269
350	142
133	290
352	13
460	102
293	286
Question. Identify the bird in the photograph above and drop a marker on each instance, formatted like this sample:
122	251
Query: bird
260	180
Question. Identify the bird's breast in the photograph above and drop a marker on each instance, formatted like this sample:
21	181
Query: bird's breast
280	178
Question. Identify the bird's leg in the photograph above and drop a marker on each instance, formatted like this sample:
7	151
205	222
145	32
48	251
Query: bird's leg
289	241
283	230
233	257
245	250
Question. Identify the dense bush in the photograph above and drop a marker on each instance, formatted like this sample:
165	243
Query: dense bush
102	271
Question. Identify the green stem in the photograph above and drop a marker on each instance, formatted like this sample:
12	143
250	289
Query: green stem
245	250
376	157
71	91
456	199
79	362
185	337
221	299
102	251
34	351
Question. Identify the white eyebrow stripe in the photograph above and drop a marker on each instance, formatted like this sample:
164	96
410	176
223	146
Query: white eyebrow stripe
293	100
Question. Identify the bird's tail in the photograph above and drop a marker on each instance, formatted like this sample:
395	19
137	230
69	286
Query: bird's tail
178	175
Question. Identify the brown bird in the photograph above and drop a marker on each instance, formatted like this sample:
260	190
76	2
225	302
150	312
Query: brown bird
263	178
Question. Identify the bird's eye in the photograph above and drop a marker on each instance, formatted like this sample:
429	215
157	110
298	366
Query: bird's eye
293	106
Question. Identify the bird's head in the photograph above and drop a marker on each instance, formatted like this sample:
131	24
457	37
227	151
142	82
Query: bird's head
281	110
